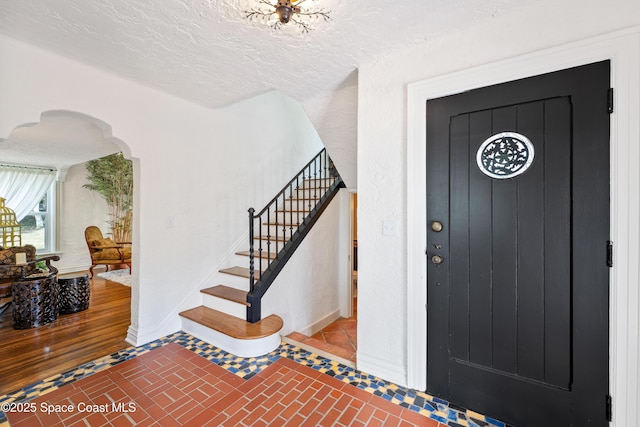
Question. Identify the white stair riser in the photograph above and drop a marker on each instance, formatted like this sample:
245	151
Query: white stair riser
308	193
283	230
271	249
238	347
242	261
226	306
257	265
294	217
234	281
295	205
298	204
325	182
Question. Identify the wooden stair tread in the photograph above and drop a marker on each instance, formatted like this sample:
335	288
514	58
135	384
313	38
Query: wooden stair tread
233	326
228	293
256	254
240	271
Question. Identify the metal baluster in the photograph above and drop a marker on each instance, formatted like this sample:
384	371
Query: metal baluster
268	237
298	200
284	220
251	261
326	168
321	183
291	214
260	240
309	179
277	225
315	181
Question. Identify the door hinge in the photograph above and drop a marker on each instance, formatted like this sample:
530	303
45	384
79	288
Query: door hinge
610	100
609	408
609	253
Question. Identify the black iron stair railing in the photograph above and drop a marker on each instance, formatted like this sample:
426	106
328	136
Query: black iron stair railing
284	222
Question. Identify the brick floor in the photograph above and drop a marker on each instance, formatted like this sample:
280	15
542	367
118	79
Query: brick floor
172	386
339	338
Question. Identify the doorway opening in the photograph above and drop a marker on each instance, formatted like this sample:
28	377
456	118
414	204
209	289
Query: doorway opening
338	340
63	141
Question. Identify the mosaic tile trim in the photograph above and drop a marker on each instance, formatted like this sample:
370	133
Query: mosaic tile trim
243	367
432	407
55	382
417	401
82	371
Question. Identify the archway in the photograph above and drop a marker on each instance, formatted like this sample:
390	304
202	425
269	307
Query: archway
64	141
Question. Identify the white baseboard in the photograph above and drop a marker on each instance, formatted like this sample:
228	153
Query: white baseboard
132	336
321	324
385	369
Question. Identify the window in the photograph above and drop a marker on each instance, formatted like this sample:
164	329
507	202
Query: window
38	226
31	192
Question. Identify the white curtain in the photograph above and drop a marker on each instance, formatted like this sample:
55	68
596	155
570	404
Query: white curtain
23	187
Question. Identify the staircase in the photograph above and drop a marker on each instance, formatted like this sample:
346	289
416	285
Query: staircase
230	317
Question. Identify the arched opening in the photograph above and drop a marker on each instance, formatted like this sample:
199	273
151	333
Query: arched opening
63	142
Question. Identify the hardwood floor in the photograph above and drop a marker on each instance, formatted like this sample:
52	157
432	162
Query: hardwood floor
31	355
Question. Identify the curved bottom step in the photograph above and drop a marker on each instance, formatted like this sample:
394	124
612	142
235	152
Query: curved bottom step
233	335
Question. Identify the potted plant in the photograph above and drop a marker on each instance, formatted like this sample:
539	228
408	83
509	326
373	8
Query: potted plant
112	177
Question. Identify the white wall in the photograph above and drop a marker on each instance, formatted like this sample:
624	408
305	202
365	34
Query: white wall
197	170
382	153
79	209
335	116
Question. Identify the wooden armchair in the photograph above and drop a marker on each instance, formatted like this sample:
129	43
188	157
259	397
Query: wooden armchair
105	251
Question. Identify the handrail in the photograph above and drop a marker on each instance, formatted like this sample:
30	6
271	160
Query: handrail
286	219
306	167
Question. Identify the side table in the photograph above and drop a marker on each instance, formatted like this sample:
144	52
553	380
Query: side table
35	301
74	294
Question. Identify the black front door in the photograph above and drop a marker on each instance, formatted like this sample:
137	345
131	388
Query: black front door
517	238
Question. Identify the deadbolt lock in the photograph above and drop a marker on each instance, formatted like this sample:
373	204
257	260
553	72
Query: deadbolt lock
436	226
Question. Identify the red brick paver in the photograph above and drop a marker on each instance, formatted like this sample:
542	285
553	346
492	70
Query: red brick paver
171	386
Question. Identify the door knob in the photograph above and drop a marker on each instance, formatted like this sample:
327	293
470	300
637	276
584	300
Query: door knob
436	226
437	259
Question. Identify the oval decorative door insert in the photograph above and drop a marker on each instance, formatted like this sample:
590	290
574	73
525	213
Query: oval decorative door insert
505	155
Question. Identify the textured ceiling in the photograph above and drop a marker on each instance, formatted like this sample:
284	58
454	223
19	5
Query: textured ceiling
207	52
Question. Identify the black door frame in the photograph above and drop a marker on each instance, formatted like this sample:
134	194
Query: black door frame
617	47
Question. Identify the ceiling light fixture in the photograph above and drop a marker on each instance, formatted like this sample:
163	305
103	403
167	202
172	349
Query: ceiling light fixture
277	13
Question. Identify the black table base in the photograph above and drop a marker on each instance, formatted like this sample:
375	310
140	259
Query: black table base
35	302
74	294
